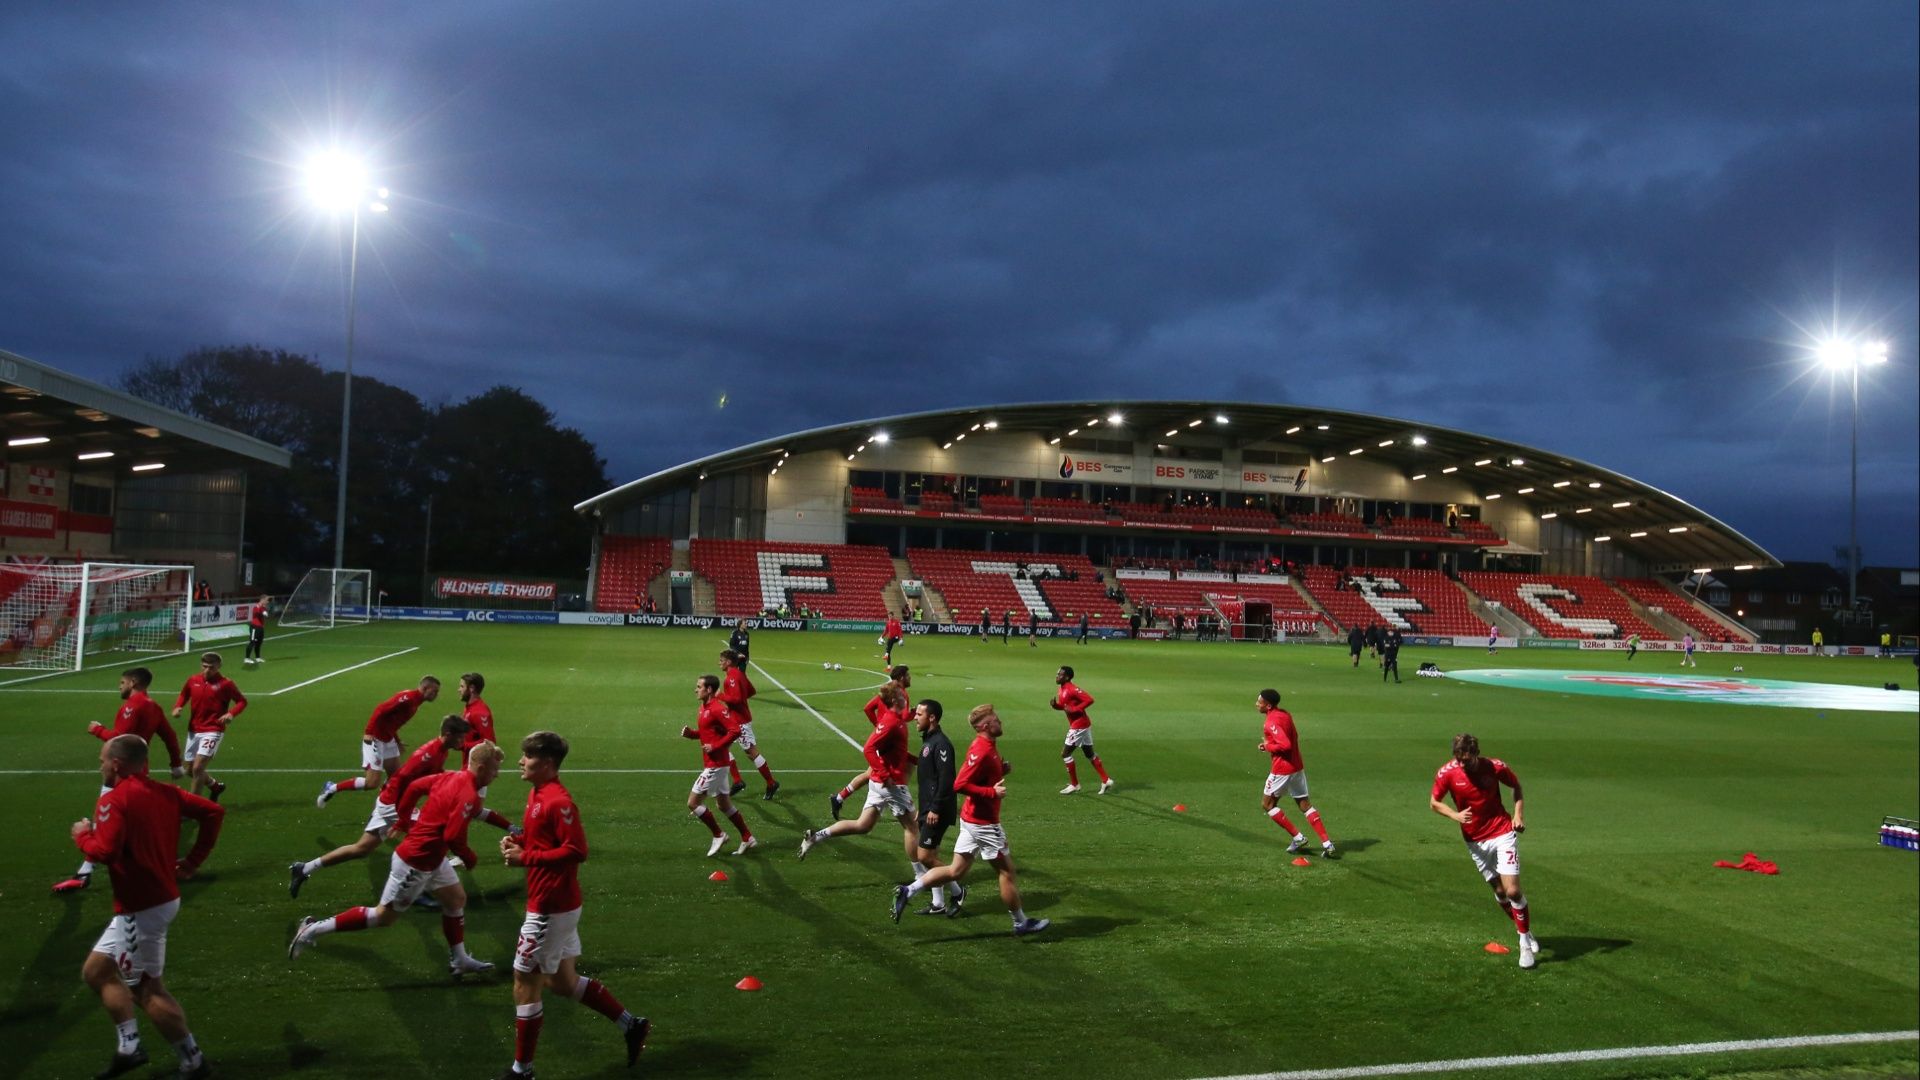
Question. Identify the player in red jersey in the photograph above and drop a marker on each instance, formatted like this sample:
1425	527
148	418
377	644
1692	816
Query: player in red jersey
551	845
380	746
1288	775
135	830
890	637
429	760
1493	838
735	689
1073	701
138	715
256	632
477	713
983	781
420	862
215	701
716	731
888	762
898	675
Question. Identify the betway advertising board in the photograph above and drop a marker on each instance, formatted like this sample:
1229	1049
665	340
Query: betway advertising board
1179	473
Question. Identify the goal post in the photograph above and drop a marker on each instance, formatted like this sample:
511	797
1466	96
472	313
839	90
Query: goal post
330	596
58	616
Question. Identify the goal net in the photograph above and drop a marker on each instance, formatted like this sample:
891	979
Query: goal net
58	616
330	597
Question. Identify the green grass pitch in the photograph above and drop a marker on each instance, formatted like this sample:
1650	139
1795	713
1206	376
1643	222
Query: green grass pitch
1183	944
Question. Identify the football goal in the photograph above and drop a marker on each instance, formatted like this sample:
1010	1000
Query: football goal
328	596
59	616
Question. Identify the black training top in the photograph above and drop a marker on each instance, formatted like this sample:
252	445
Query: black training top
937	770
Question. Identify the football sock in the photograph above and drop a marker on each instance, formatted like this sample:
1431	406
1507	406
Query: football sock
311	867
358	783
593	994
846	793
86	869
705	817
733	769
189	1052
914	888
821	836
1313	819
526	1035
1073	774
354	918
495	818
1102	770
1019	915
1522	921
453	927
128	1032
1279	817
739	823
761	764
939	895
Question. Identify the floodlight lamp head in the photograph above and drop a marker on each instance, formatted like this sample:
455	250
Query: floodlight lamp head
336	180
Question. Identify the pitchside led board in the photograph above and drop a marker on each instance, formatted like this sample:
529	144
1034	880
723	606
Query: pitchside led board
1285	479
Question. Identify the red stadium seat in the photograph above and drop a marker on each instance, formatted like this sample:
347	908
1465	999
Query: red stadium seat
841	581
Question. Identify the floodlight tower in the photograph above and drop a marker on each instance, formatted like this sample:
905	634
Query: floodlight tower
337	183
1850	357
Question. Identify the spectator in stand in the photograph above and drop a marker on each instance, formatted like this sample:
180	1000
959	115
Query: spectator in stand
1453	520
1133	625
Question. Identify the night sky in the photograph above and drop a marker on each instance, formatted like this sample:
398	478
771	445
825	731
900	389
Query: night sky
1608	230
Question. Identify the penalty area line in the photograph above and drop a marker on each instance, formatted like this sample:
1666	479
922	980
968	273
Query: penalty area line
1572	1057
342	671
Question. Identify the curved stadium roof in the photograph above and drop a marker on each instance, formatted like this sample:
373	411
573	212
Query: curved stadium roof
1706	541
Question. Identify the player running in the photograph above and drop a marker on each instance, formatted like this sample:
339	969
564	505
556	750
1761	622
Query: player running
476	712
1633	645
735	689
215	701
135	830
1686	646
939	807
551	845
715	731
888	760
380	746
420	862
900	675
429	760
1073	701
1493	838
1288	775
1356	641
139	715
890	637
256	633
983	781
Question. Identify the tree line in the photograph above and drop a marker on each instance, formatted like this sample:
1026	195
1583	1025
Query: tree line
501	474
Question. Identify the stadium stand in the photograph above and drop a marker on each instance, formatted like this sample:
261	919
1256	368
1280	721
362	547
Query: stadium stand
1190	597
1654	594
1417	527
1071	509
1480	532
873	499
1340	523
1425	601
1562	606
627	565
971	580
1003	504
841	581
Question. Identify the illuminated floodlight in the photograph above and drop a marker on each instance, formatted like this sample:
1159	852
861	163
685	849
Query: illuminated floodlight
1618	505
1193	423
1172	433
1321	427
946	445
1526	491
1449	469
30	440
1419	476
1744	566
1584	510
1562	483
1593	483
849	457
1055	441
1419	440
95	456
1116	419
1678	529
1356	451
1484	461
150	466
1385	443
336	181
1841	355
1601	539
881	438
1326	459
1220	418
1703	570
1549	516
992	424
1493	496
1294	430
1517	462
1073	432
1636	535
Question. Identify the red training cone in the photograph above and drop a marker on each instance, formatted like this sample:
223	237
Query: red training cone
717	875
1179	808
1497	948
751	983
1302	861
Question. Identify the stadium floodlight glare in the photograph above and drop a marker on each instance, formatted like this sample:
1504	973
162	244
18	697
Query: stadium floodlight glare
1071	433
1116	419
1493	496
1484	461
1172	433
1294	430
1220	418
1517	462
1637	535
1618	505
1326	459
1601	539
1678	529
1744	566
1419	476
1055	441
1384	443
975	427
849	457
1419	440
150	466
1848	356
97	455
1703	570
1562	483
946	445
30	440
1356	451
1584	510
1449	469
1593	483
1549	516
1322	427
880	438
992	425
1525	491
1193	423
960	436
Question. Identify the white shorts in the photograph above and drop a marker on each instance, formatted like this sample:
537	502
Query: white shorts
374	754
1500	855
1293	784
717	781
383	817
746	739
1079	736
405	883
893	798
546	940
204	744
137	941
989	842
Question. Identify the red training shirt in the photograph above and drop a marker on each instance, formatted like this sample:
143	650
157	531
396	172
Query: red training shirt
452	802
1074	701
479	717
893	628
136	832
1490	820
141	715
1283	742
716	731
392	714
875	709
428	759
735	689
258	616
553	849
210	699
983	769
886	749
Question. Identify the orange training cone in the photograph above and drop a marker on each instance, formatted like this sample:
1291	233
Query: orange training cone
717	875
1302	861
1496	948
751	983
1179	808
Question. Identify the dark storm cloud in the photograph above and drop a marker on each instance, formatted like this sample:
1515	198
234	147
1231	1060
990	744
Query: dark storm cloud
1590	228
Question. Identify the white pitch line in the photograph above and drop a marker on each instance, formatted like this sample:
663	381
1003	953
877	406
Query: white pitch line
1570	1057
342	671
816	693
49	690
154	656
817	715
334	771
